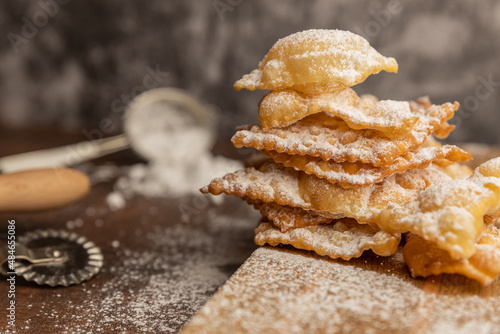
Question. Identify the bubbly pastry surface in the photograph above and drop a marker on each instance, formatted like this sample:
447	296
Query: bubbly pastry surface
344	238
449	214
330	138
393	119
424	258
288	218
316	61
273	182
356	174
456	170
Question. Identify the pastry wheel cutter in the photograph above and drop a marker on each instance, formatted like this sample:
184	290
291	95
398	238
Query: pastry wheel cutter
50	257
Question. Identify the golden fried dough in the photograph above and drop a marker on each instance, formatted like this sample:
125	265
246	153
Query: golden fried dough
490	168
327	137
339	173
287	218
455	171
269	183
316	61
430	141
343	238
449	214
393	119
444	128
424	258
356	174
273	182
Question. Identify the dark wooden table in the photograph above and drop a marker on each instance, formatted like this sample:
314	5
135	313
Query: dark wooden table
159	267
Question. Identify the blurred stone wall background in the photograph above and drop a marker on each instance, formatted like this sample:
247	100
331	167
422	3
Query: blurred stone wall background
73	63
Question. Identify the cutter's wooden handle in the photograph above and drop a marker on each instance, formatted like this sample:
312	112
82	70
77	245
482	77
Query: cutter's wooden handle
41	189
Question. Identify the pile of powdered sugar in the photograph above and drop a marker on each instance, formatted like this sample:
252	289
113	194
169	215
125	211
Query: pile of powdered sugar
174	178
166	130
177	145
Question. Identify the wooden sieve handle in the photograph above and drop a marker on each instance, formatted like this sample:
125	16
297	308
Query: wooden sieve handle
41	189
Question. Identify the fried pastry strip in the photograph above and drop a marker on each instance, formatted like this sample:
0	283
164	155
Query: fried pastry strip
455	171
273	182
315	61
355	174
330	138
449	214
393	119
343	238
286	217
424	258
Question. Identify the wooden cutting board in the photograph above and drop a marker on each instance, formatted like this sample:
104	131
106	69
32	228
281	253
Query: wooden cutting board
283	290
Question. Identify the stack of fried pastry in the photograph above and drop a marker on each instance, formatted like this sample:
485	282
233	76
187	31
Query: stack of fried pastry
344	173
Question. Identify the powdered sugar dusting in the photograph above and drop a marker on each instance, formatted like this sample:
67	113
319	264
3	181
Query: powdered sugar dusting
288	291
393	119
174	179
285	186
287	218
317	61
159	285
329	138
449	213
345	239
366	174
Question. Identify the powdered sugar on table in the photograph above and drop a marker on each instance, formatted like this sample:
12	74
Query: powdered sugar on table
285	290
